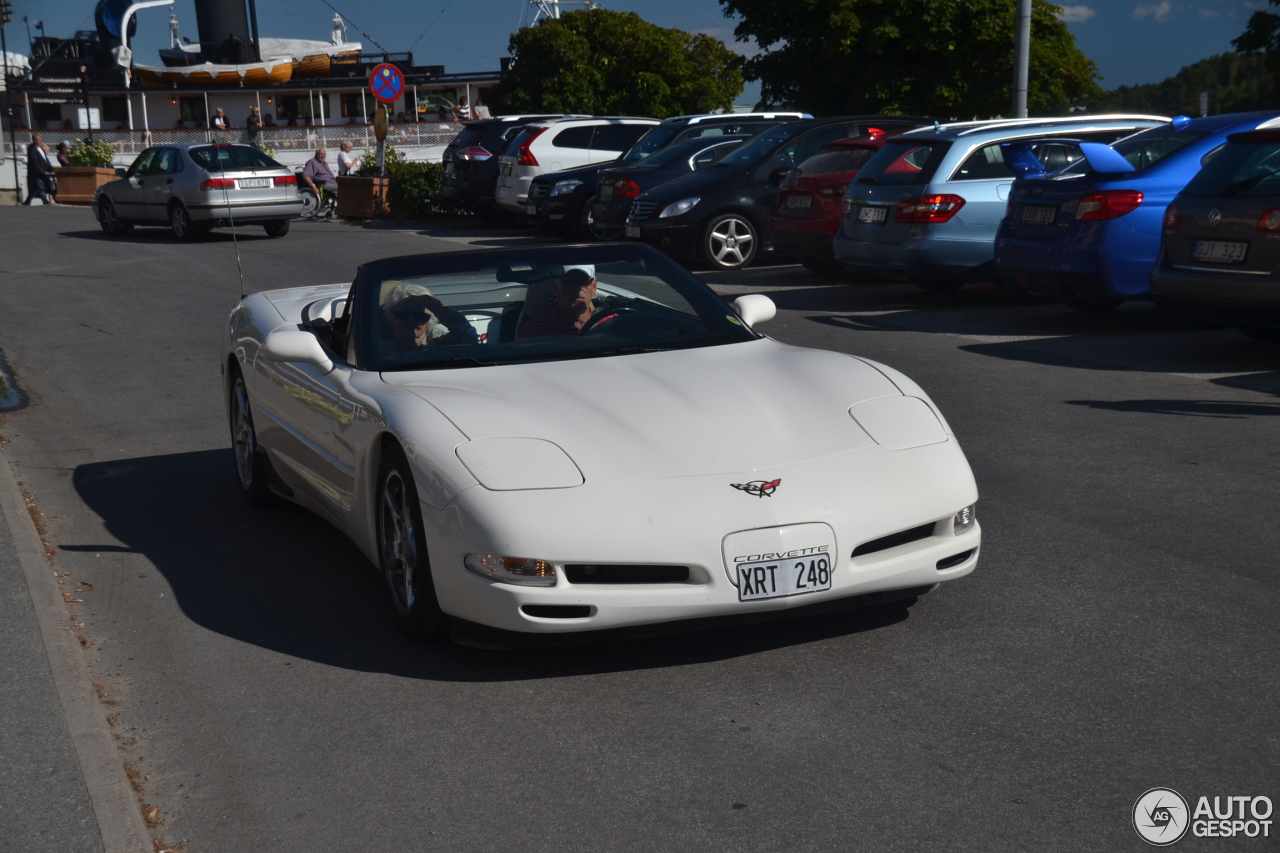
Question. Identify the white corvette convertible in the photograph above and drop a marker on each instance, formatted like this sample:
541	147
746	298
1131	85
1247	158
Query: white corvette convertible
578	438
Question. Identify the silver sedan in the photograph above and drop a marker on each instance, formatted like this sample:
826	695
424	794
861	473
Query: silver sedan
193	187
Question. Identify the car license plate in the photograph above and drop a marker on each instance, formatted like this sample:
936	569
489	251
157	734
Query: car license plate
1034	214
448	168
1218	252
506	170
780	578
873	215
606	190
253	183
802	202
531	209
633	231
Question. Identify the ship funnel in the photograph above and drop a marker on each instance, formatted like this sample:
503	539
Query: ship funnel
224	32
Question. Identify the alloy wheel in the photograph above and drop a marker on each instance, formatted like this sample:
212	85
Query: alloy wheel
110	219
398	541
731	242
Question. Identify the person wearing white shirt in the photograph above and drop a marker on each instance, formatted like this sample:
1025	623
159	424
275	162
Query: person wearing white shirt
348	163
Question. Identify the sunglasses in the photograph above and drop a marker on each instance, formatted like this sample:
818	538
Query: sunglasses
418	317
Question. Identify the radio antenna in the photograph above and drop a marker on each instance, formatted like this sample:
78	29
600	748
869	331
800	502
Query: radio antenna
231	216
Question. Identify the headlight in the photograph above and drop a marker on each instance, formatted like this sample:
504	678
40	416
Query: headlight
565	187
965	519
517	570
682	206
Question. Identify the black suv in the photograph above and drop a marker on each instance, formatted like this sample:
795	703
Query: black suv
720	213
471	159
568	211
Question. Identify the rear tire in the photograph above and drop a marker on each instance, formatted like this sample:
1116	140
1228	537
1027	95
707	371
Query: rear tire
183	228
1093	306
402	551
279	228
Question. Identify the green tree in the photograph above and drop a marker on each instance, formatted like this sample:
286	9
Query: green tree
1235	83
944	58
613	63
1262	35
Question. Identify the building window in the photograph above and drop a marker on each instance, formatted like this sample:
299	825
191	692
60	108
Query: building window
193	110
114	108
46	113
352	107
299	108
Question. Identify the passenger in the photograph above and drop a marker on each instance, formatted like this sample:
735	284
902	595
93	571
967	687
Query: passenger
418	319
573	293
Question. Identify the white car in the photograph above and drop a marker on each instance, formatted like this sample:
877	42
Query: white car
505	469
557	145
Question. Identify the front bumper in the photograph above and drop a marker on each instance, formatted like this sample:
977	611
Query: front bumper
677	237
650	523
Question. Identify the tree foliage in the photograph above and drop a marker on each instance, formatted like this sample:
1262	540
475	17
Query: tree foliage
944	58
613	63
1262	36
1235	83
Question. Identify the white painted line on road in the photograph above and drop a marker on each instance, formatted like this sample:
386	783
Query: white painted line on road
120	823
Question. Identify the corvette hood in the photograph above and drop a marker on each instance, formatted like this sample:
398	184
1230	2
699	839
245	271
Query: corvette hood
734	408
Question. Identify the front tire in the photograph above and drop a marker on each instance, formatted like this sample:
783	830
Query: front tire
110	219
253	470
730	241
279	228
402	551
587	225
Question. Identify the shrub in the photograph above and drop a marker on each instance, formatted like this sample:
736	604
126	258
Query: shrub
84	153
415	191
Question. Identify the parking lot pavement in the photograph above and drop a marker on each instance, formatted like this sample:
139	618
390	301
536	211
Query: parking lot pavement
1119	633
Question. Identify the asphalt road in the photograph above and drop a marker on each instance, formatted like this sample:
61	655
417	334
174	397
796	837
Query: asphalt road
1119	634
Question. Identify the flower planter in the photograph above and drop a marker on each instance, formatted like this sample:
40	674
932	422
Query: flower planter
76	184
362	198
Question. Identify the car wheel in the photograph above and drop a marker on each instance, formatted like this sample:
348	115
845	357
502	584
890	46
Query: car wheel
183	228
1093	306
109	219
252	467
402	550
587	225
729	241
939	285
1266	334
279	228
821	265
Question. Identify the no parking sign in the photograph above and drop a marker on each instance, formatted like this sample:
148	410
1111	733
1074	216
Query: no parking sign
386	83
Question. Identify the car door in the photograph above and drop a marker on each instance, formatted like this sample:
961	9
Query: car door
129	196
162	173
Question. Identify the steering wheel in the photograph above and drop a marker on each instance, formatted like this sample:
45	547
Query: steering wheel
603	315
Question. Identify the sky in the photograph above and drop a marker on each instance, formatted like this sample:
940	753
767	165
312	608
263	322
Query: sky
1132	41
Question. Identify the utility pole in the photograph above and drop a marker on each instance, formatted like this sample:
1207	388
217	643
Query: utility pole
6	17
1021	58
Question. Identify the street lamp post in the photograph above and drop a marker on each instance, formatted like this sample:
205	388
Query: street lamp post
1021	58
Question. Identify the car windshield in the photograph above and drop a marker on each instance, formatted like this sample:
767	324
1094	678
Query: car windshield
218	158
1244	169
834	161
1149	147
676	153
474	309
763	145
649	143
904	162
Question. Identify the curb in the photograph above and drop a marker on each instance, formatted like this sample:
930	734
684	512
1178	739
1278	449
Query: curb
119	820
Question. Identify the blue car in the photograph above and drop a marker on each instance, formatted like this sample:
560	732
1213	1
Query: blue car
1088	235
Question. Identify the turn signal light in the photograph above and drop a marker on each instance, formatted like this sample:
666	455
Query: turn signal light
286	180
964	520
524	157
928	208
517	570
219	184
1108	204
1173	218
626	188
1270	221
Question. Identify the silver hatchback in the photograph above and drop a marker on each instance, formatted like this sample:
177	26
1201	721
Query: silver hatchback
193	187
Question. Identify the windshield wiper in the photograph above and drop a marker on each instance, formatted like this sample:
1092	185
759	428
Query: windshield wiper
612	351
1248	183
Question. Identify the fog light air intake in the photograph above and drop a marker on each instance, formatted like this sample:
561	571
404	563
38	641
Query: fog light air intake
516	570
965	519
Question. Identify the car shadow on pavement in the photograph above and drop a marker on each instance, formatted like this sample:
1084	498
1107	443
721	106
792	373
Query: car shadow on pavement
1188	408
160	234
286	580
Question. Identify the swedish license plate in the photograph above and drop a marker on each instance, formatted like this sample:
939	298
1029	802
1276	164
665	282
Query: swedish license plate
873	215
781	578
531	209
1034	214
506	170
606	191
253	183
1219	252
801	202
633	231
448	168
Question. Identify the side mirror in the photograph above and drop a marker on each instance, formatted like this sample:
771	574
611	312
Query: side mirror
754	309
321	313
776	176
293	345
122	172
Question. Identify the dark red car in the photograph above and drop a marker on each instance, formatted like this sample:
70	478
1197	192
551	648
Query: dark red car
807	213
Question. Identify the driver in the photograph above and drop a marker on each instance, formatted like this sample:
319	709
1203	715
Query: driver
418	319
573	307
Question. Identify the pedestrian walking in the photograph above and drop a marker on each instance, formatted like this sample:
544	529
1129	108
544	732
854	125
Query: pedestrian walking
219	120
348	163
39	171
63	151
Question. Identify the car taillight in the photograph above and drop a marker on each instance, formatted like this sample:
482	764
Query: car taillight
928	208
474	152
286	180
219	184
524	157
1108	204
1172	218
626	188
1270	221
